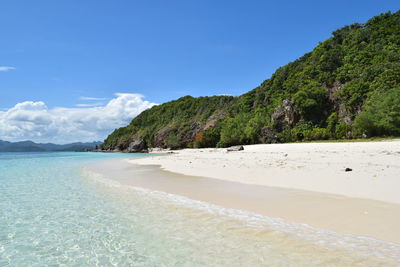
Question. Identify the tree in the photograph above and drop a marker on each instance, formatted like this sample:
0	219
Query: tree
381	115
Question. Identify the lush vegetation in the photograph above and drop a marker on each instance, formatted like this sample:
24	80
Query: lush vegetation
174	124
347	87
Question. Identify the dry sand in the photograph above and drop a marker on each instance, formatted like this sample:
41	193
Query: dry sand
318	167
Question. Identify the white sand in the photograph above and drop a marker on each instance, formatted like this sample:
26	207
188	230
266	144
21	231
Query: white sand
318	167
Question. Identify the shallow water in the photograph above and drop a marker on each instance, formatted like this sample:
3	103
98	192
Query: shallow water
54	213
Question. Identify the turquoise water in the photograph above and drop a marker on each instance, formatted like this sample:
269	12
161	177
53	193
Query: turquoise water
49	215
53	214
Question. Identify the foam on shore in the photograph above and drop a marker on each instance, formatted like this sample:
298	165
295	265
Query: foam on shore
295	239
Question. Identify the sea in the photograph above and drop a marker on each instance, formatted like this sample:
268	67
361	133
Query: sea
53	213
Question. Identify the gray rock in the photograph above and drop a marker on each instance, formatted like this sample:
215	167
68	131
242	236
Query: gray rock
269	135
137	146
235	148
285	115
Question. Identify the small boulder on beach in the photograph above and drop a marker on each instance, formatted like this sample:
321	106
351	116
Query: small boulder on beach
235	148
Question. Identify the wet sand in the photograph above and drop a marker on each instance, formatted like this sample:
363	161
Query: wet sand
354	216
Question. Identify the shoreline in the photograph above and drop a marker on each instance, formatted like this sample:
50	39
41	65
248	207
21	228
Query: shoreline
311	168
360	217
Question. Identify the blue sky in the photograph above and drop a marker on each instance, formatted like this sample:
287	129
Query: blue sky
65	51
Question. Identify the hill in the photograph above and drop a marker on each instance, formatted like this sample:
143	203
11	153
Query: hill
346	87
29	146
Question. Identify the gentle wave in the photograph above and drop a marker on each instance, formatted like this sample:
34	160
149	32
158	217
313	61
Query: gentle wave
361	251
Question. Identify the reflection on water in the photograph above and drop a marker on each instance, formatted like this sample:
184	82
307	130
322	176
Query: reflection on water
51	214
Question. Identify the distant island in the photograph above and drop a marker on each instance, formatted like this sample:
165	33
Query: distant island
347	87
29	146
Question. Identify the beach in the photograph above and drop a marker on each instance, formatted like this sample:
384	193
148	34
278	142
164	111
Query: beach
294	198
302	182
319	167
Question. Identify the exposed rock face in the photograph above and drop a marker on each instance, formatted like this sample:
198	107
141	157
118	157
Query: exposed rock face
161	135
334	90
137	146
213	119
195	127
285	115
189	137
269	135
345	115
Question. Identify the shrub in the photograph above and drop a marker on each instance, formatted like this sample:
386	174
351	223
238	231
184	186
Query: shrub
332	122
318	134
381	114
311	100
172	141
233	131
207	138
343	130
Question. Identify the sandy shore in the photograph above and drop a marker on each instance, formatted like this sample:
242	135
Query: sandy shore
361	217
304	183
318	167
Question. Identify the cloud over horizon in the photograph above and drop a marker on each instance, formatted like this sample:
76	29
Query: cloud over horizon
35	121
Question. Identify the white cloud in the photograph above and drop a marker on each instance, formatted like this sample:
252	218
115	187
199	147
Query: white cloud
35	121
92	98
90	104
6	68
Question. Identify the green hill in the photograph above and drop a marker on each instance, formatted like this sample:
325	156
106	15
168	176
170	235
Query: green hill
347	87
29	146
